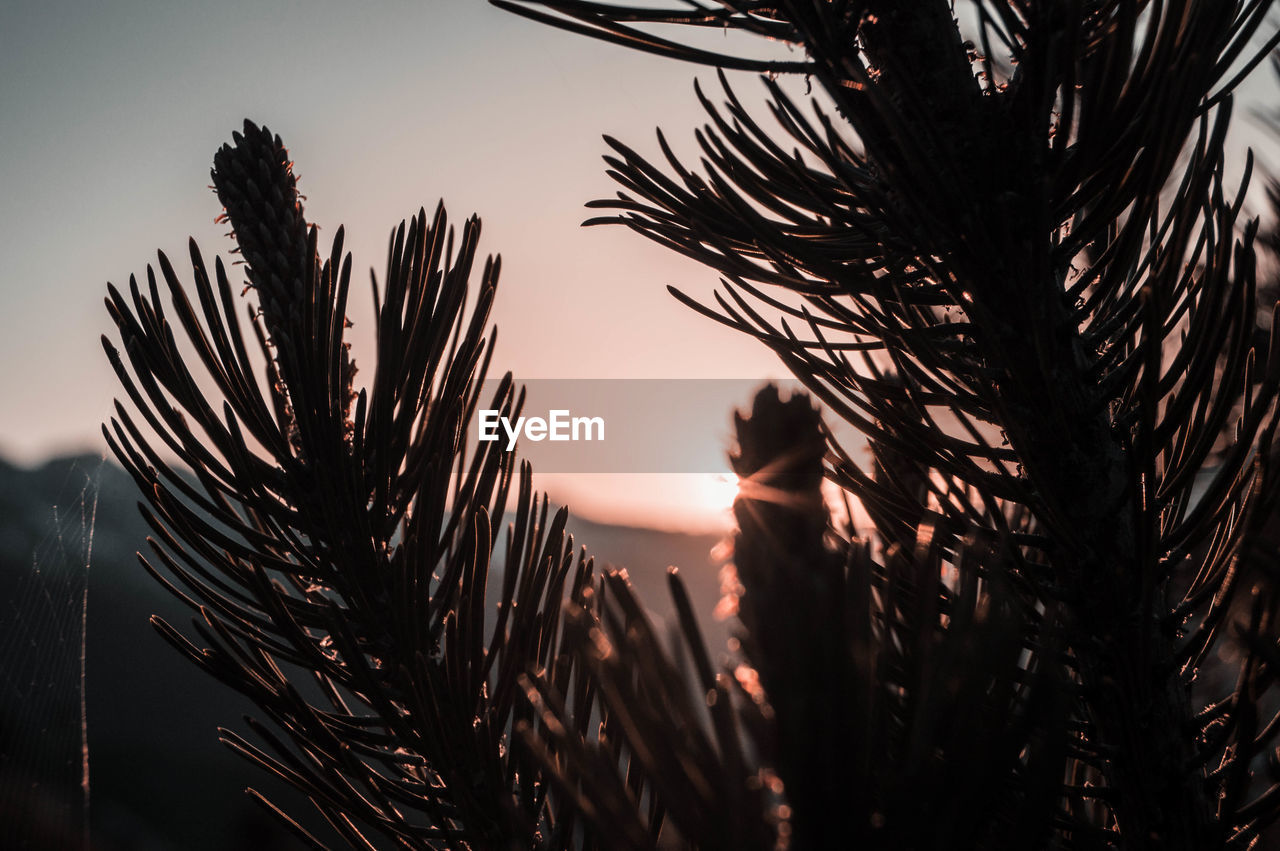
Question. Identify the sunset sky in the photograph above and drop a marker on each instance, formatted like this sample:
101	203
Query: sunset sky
111	117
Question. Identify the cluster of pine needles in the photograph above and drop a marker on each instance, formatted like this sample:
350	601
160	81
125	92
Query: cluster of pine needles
1002	245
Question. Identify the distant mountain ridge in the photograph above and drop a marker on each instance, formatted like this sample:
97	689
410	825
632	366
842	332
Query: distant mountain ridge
159	778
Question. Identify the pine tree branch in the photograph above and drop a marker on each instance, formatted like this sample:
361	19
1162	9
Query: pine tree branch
1042	254
341	550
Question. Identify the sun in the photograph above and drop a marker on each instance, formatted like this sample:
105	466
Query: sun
714	493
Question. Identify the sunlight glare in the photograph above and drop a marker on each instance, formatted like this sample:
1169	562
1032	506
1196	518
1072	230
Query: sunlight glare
715	493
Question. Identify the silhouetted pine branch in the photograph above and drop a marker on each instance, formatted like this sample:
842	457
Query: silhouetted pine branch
1004	249
894	701
671	765
1014	265
342	552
